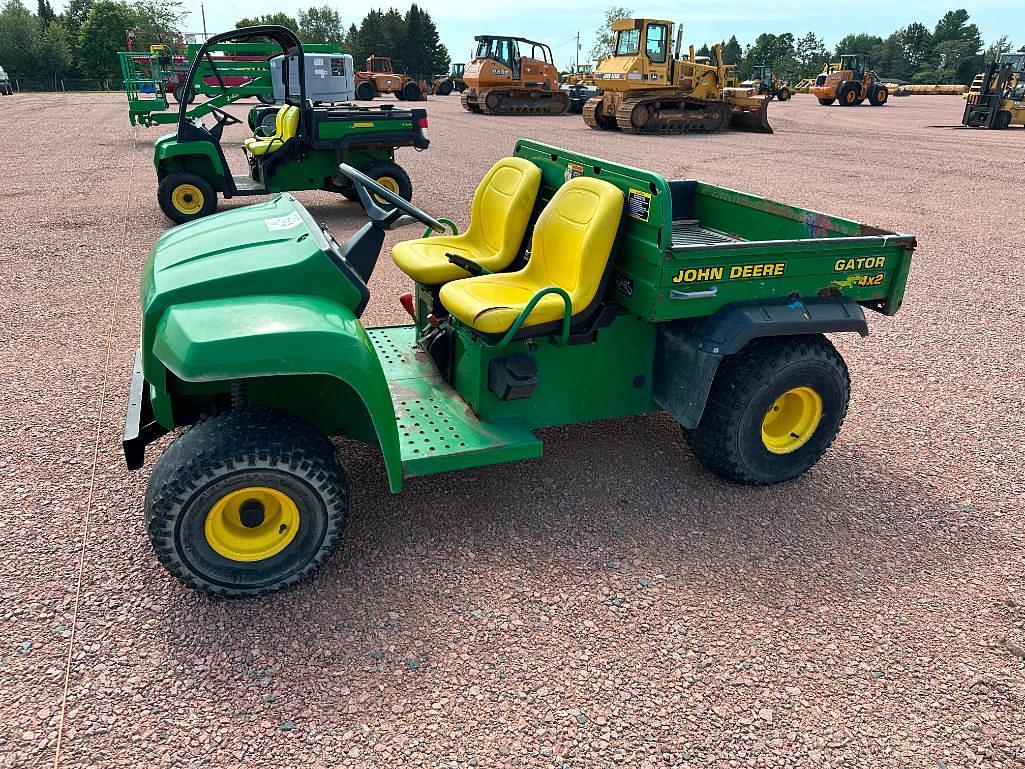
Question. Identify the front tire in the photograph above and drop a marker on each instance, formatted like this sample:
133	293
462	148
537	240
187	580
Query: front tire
847	94
1002	120
444	88
185	196
784	94
246	503
366	91
773	410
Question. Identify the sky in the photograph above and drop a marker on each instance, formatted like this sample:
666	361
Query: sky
557	22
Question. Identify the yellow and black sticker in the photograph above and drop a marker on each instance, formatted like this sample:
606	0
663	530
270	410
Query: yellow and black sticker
638	205
363	125
859	263
573	170
860	281
732	272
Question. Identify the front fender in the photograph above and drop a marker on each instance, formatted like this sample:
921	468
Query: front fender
256	337
196	156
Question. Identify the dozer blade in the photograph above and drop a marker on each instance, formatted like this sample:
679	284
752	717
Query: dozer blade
749	113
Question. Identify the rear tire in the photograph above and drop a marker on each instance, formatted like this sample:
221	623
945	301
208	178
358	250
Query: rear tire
1002	120
783	94
184	196
391	175
411	91
248	502
879	96
761	424
826	102
366	91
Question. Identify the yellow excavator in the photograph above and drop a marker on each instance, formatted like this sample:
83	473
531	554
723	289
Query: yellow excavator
649	88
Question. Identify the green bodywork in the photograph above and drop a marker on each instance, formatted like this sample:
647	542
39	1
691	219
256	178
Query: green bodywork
145	77
317	164
254	294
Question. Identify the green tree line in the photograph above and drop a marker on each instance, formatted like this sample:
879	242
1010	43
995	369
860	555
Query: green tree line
410	40
44	47
951	52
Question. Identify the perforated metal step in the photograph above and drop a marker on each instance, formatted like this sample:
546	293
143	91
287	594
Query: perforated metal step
438	430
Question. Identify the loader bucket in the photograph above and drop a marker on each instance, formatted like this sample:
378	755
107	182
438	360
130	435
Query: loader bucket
748	112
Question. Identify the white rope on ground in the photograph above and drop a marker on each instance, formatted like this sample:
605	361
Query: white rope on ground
96	454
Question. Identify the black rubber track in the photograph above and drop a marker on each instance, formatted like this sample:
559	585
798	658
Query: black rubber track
746	384
251	440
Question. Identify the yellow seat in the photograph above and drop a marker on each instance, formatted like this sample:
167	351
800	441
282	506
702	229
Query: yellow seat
572	244
287	123
499	216
279	117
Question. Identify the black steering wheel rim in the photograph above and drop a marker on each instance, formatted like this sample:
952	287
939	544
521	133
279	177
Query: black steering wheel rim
361	180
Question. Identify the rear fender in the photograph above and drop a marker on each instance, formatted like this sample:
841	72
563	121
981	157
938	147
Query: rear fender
688	352
306	355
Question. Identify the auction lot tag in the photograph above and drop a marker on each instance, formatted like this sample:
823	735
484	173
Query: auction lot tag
573	170
284	222
638	205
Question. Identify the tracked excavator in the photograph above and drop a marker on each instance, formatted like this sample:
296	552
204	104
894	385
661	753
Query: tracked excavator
649	88
512	76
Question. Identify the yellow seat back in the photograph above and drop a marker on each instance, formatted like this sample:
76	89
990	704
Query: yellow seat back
501	209
289	118
574	237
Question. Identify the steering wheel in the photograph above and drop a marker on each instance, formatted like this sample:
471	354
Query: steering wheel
381	216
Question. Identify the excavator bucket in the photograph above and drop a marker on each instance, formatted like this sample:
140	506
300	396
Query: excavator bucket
748	111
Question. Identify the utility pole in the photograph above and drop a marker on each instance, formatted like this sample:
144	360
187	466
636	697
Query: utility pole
576	69
202	13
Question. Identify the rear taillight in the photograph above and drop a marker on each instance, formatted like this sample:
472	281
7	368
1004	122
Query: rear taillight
422	125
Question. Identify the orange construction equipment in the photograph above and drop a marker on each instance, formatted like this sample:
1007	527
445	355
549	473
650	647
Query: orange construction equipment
512	76
379	77
850	83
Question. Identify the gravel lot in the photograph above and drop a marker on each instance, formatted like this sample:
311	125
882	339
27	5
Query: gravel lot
609	605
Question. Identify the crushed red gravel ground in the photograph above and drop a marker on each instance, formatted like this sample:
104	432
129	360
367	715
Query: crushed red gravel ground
611	604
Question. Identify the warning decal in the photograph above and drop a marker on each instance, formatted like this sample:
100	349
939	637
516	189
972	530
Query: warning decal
638	205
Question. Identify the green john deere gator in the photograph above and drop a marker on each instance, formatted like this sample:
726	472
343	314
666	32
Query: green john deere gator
295	146
581	290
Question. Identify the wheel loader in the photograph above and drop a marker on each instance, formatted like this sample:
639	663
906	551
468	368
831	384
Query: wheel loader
453	81
513	76
996	98
648	88
764	82
850	83
379	77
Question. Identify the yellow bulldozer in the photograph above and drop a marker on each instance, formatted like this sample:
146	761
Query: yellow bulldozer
649	88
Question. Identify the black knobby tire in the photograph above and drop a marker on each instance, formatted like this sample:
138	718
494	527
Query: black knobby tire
1002	120
387	169
783	94
879	96
728	439
166	196
411	91
826	102
366	91
244	449
444	88
847	94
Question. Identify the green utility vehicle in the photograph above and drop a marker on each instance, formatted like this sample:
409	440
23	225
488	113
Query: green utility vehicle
295	146
585	290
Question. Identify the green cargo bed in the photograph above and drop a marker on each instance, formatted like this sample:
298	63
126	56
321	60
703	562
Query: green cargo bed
689	247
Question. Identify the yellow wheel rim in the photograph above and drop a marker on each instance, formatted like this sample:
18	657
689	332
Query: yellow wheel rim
252	524
791	420
187	199
389	184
